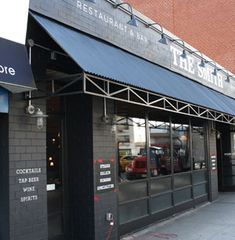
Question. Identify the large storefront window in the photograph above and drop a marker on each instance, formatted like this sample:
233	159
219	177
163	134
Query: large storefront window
181	156
176	174
160	158
132	155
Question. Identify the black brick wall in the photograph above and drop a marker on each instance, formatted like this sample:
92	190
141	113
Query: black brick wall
104	147
27	149
213	174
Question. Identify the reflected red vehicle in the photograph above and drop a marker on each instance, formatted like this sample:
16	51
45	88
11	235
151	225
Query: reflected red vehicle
138	167
159	163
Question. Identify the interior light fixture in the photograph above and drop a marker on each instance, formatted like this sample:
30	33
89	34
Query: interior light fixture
183	55
133	20
163	39
92	1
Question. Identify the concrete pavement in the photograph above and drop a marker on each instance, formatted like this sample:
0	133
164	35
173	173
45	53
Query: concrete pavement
212	221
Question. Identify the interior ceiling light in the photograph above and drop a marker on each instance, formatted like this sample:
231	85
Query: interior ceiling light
183	55
163	39
133	20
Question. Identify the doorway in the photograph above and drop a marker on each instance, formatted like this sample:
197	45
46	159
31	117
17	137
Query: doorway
55	176
226	159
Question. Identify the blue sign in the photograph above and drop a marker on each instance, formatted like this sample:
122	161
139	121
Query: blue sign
3	101
15	71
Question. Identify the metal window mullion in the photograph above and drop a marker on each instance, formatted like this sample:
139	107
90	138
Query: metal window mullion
147	136
207	154
172	163
84	82
191	158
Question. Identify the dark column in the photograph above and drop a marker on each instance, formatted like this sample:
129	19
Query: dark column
104	148
4	178
79	168
212	164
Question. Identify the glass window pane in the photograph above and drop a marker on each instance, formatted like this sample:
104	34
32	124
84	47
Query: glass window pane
181	146
161	202
198	148
182	180
132	211
199	190
160	161
131	140
160	185
199	176
131	191
182	195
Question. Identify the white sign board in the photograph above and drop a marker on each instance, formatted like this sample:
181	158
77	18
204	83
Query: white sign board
13	19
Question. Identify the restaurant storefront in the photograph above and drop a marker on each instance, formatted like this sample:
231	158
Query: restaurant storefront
137	125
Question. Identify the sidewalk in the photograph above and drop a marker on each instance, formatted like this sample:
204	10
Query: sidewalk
213	221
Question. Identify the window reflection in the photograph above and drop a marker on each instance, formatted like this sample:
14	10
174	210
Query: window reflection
160	163
198	148
131	139
180	135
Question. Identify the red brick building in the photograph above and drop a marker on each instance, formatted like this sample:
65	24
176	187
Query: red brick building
208	25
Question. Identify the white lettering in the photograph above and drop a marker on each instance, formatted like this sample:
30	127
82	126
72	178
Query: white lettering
104	173
22	180
95	11
7	70
220	80
29	189
175	52
105	165
105	187
183	63
200	70
90	11
101	16
85	8
104	17
190	65
29	198
79	4
34	179
102	180
28	170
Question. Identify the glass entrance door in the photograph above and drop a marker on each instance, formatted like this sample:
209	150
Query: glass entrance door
229	165
227	162
55	179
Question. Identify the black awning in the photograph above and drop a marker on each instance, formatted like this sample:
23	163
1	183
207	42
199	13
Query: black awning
15	70
101	59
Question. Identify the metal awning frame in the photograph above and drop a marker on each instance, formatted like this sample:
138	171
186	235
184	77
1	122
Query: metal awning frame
110	89
101	87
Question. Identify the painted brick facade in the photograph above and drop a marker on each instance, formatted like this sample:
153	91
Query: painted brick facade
209	26
27	149
104	147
